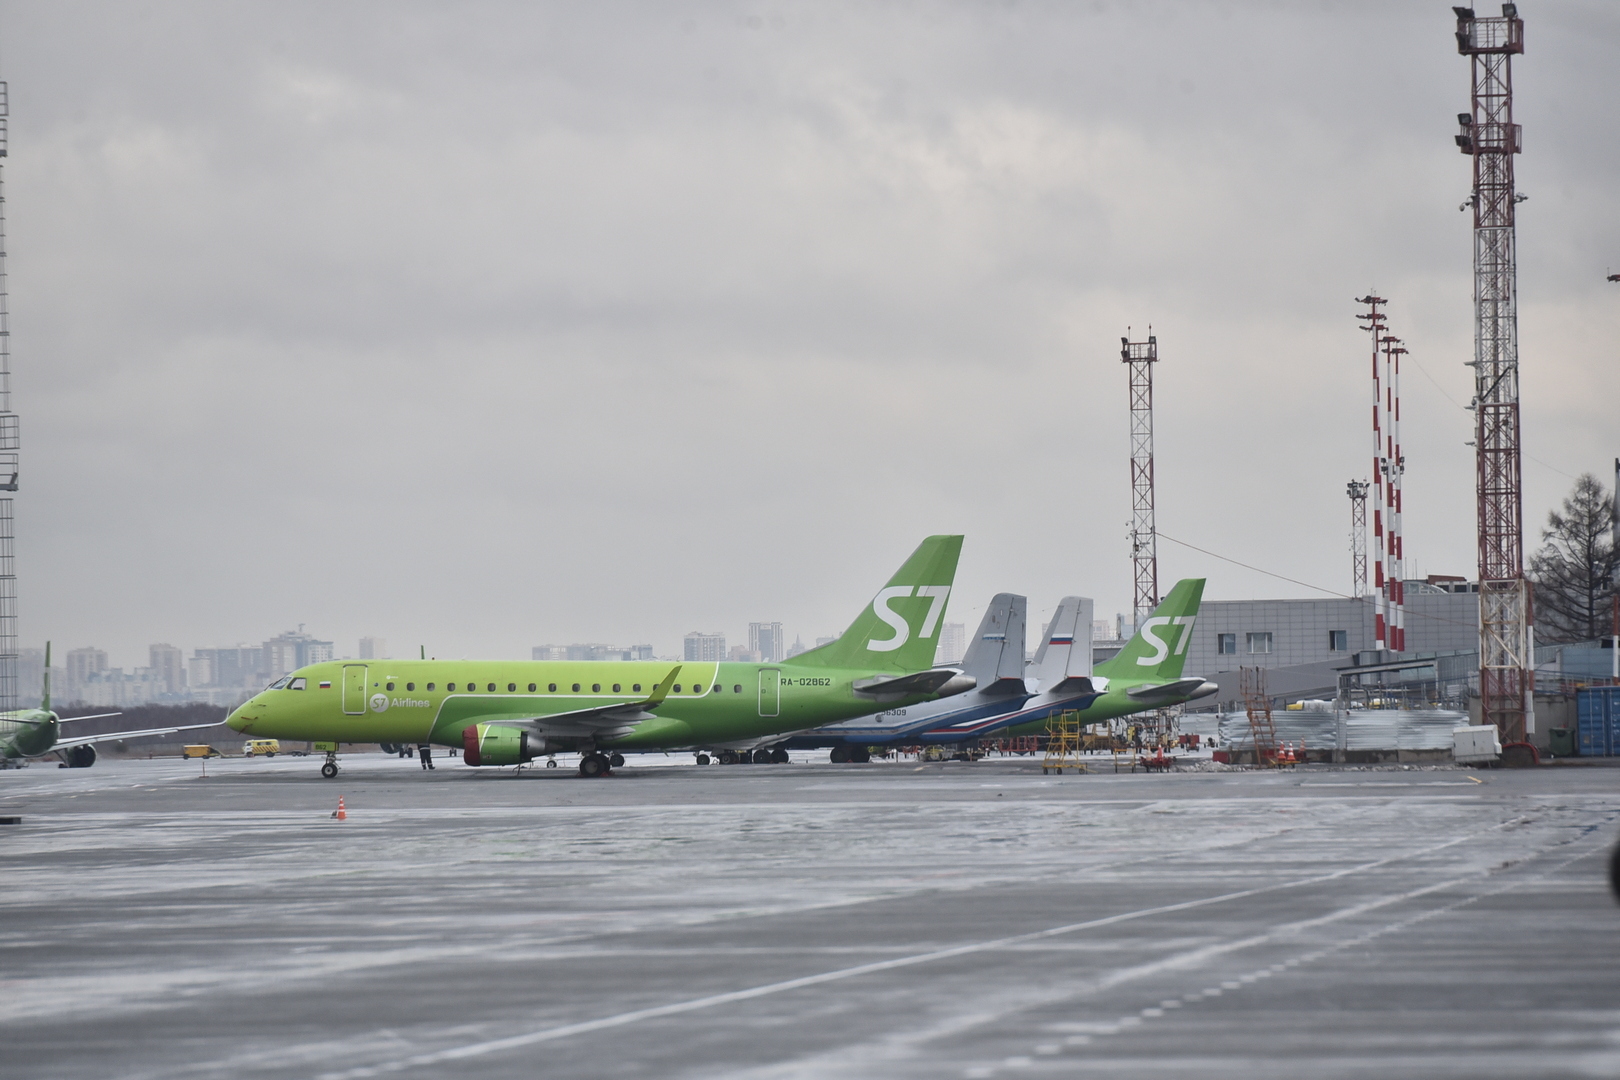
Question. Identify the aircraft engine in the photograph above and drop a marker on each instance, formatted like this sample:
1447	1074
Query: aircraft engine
497	744
81	757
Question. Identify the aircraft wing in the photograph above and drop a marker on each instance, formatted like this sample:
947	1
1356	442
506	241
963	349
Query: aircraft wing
615	719
111	736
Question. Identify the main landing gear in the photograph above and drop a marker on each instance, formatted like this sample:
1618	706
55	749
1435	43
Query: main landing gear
330	769
857	754
598	764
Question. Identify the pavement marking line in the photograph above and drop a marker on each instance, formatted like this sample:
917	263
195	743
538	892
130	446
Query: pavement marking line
513	1042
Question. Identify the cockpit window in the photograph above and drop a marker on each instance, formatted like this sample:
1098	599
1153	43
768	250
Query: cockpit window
297	684
279	684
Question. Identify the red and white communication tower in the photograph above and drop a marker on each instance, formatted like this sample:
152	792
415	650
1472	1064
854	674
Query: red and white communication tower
1139	357
1394	471
1491	138
1385	484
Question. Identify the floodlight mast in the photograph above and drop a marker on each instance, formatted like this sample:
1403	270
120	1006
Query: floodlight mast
1357	490
9	446
1489	135
1139	357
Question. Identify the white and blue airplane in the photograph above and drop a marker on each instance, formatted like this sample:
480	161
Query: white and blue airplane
1001	695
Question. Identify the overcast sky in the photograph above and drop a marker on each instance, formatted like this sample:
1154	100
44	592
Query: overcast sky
481	325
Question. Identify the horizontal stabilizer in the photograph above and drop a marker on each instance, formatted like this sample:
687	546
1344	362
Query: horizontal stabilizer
1182	689
941	681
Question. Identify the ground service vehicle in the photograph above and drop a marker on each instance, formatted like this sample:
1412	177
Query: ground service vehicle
199	751
266	747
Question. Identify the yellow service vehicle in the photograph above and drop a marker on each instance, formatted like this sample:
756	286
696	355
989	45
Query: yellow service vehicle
199	751
267	747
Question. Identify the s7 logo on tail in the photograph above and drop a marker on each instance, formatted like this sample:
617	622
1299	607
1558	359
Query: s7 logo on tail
937	594
1161	648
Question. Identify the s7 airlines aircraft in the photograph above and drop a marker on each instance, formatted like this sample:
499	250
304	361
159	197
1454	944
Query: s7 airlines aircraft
507	713
994	661
1145	675
35	733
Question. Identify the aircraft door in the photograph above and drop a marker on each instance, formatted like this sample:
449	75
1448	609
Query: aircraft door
770	691
354	689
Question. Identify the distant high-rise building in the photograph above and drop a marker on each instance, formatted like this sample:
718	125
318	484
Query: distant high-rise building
765	638
549	652
796	648
234	668
373	648
952	643
168	668
291	651
31	677
701	646
742	654
820	641
80	666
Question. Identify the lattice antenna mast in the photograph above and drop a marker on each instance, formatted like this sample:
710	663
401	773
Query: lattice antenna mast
1489	135
9	445
1357	490
1139	357
1374	320
1395	466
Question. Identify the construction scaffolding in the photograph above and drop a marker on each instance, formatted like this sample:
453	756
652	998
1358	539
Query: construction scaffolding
1257	703
1489	135
1139	357
1063	743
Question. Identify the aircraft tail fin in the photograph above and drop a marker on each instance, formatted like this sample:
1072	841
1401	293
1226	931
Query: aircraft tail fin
45	693
1065	651
899	629
997	649
1159	649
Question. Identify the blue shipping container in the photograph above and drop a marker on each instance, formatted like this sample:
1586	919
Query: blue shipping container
1597	716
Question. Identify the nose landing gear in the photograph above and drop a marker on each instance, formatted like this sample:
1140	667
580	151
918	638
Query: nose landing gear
330	769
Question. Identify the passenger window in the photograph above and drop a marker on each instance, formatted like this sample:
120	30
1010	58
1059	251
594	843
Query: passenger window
697	688
430	686
596	688
531	688
737	689
551	688
450	687
636	688
615	688
390	686
576	688
677	688
279	684
410	686
296	684
511	688
492	688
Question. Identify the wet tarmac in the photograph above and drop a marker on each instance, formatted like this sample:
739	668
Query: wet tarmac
806	920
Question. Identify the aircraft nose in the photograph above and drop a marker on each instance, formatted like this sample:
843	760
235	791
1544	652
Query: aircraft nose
242	716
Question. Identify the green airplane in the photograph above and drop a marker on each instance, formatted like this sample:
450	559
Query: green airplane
36	733
511	712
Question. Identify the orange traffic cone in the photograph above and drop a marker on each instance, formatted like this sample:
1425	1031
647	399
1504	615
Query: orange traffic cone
340	813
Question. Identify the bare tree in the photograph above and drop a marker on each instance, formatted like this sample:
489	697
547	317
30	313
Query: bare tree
1574	570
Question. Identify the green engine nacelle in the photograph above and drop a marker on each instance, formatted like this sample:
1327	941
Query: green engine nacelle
498	744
